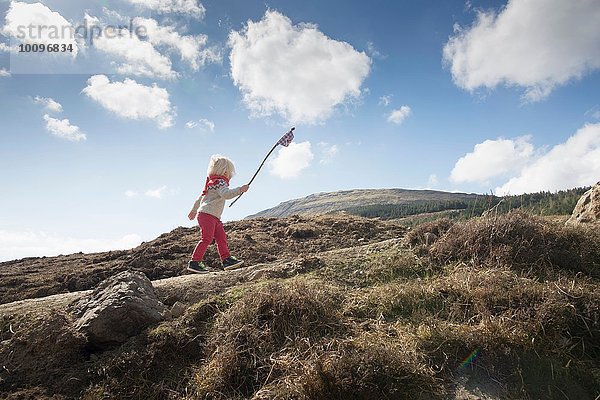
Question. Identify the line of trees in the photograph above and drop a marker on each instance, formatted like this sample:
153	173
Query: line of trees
542	203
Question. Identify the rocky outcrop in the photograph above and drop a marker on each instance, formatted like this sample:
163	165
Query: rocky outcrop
119	308
587	209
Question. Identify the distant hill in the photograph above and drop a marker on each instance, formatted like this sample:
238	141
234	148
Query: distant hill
424	204
324	203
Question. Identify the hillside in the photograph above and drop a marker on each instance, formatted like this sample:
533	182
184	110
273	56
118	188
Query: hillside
255	241
422	205
323	203
330	307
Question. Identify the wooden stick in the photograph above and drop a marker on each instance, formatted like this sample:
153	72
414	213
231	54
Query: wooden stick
258	170
256	173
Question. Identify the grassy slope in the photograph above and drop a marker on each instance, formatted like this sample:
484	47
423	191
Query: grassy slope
500	308
421	205
255	241
323	203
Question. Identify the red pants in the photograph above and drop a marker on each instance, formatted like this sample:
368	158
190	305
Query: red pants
212	228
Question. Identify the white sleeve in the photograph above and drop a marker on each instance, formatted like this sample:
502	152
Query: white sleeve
227	193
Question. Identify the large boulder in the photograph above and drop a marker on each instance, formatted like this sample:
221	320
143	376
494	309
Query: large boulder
119	308
587	209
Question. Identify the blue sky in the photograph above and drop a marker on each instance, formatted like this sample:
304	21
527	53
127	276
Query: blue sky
109	146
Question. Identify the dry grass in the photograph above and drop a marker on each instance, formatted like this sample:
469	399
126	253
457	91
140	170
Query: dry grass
372	365
374	266
506	317
260	338
41	350
523	242
420	235
376	322
540	311
159	363
289	341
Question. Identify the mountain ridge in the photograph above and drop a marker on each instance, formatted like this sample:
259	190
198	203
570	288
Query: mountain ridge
328	202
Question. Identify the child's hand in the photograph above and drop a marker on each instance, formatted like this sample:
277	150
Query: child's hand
244	188
192	215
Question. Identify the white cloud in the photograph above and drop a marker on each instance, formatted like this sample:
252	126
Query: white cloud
4	73
534	44
328	152
294	71
132	100
143	56
114	16
136	57
139	58
6	48
573	163
399	115
156	193
291	160
432	180
385	100
492	158
49	27
373	52
594	112
206	125
15	245
130	194
63	129
191	8
191	48
48	103
202	124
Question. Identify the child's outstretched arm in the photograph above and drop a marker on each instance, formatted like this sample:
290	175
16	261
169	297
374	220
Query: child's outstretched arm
227	193
194	209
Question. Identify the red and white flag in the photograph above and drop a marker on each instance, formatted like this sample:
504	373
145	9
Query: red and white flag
284	141
287	138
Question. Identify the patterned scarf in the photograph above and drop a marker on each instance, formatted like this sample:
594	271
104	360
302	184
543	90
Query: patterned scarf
212	181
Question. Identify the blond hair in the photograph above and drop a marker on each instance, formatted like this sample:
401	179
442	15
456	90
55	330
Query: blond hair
220	165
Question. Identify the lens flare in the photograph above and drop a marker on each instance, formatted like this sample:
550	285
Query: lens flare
469	359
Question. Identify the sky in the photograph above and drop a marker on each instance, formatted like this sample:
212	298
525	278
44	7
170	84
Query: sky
105	135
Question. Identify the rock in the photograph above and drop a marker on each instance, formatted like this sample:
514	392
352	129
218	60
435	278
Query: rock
587	209
178	309
430	238
301	231
119	308
293	268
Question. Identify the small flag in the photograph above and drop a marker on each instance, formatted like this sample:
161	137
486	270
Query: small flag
284	141
287	138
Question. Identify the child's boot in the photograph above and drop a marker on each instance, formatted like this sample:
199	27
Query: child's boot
198	267
231	263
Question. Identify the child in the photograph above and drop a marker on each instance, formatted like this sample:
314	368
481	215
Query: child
211	203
